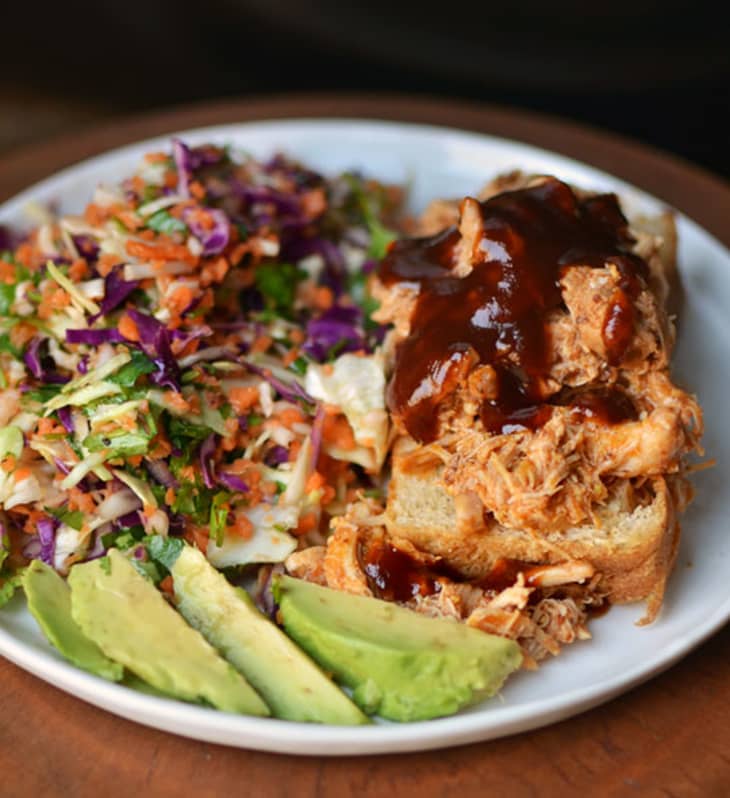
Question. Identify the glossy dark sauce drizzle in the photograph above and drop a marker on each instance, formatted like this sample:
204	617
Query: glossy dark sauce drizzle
393	575
497	314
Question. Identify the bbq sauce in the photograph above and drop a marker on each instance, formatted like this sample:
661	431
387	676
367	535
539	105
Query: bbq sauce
393	575
601	405
497	313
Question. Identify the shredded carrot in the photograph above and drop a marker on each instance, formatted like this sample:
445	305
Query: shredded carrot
262	343
128	328
7	272
106	263
337	431
307	523
290	356
78	500
170	496
164	250
8	463
167	586
78	270
48	426
24	254
177	401
243	399
21	333
129	219
242	527
196	189
31	523
179	299
323	297
315	481
290	416
22	473
201	537
95	215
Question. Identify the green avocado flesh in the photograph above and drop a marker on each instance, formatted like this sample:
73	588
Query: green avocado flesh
49	602
127	617
290	683
400	665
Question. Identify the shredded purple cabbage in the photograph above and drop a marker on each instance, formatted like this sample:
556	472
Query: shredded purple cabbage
336	330
182	157
94	337
264	596
232	482
87	247
124	521
154	340
36	363
316	438
116	290
160	472
47	535
215	239
97	549
32	549
32	357
207	451
276	456
292	391
61	466
65	417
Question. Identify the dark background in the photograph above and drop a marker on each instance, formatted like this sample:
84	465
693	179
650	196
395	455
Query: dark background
658	72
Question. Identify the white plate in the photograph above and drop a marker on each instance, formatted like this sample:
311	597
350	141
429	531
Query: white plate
439	162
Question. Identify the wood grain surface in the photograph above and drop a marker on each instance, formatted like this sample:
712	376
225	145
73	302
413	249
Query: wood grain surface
669	737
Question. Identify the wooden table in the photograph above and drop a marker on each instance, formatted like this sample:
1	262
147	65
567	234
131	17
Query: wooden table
670	737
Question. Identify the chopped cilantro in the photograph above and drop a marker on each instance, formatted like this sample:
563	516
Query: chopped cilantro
219	509
254	419
43	393
164	550
148	569
105	564
184	434
128	373
278	284
6	345
73	518
7	297
299	366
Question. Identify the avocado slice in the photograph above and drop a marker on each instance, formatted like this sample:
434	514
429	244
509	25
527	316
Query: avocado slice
49	602
127	617
400	665
290	683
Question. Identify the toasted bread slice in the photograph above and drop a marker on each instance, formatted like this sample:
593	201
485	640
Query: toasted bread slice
632	542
